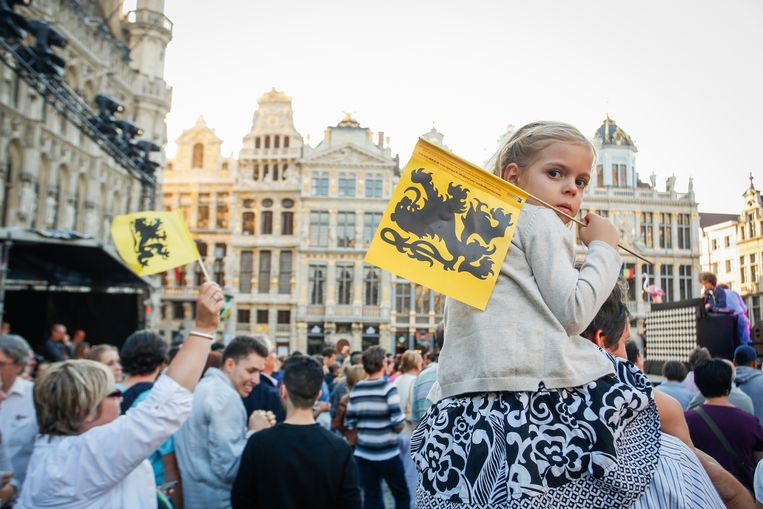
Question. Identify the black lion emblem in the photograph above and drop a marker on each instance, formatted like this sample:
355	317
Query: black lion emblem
149	240
436	217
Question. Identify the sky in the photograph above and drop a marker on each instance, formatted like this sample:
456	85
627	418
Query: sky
683	78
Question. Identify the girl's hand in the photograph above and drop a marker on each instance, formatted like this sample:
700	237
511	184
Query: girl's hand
598	228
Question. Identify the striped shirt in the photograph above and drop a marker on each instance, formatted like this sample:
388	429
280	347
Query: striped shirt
374	409
679	481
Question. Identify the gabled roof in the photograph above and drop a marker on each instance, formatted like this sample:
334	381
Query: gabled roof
345	154
710	218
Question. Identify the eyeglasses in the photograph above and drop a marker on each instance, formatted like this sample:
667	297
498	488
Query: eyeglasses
116	394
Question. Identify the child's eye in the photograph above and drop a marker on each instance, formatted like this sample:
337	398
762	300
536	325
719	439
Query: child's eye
554	173
581	183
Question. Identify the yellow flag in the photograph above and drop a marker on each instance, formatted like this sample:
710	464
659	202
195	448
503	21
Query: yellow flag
153	241
448	225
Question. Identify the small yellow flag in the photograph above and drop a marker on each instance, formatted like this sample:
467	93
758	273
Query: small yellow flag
153	241
448	225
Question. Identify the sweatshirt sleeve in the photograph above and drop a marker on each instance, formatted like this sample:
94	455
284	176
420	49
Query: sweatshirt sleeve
574	297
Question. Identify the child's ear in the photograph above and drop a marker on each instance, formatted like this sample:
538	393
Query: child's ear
599	338
511	173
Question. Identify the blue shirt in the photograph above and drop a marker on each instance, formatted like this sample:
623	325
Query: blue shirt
677	391
421	388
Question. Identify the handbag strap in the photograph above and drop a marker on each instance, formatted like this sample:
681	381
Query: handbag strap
724	442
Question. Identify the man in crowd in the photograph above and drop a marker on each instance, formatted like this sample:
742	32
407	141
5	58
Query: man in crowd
329	358
749	378
264	396
297	463
425	381
674	373
55	349
374	410
736	397
210	443
18	421
730	435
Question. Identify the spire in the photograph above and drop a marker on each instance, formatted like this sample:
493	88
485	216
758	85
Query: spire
200	122
752	185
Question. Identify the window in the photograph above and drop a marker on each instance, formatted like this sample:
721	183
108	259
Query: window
602	212
267	141
344	283
647	274
614	176
753	269
599	175
219	265
267	222
284	315
316	277
287	203
346	184
371	278
245	272
647	228
714	244
198	156
262	316
684	281
666	231
742	271
728	266
623	175
374	186
276	141
243	316
287	223
178	311
371	222
666	282
345	229
286	141
256	172
629	275
247	223
402	300
257	143
202	212
750	226
320	184
727	241
202	248
284	272
683	233
223	221
319	228
422	300
263	279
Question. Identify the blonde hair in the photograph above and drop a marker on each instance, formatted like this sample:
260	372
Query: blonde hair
355	374
410	360
68	392
523	147
97	352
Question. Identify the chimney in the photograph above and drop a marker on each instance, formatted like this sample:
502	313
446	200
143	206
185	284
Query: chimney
381	139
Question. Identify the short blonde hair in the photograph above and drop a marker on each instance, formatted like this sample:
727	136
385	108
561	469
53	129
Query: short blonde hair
410	360
355	373
523	147
68	392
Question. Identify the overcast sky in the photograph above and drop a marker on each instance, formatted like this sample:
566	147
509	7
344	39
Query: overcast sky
683	78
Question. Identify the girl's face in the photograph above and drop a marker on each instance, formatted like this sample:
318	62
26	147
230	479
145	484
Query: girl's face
558	176
111	359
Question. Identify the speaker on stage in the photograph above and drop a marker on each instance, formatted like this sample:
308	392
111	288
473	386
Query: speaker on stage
718	333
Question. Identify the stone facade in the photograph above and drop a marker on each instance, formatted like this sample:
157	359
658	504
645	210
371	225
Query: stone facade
51	175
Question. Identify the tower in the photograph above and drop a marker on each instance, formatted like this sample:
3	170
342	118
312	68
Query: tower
616	162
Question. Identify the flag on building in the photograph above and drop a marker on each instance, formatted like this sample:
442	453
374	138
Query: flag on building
448	225
153	241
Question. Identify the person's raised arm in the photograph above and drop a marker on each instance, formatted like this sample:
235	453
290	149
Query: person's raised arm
188	364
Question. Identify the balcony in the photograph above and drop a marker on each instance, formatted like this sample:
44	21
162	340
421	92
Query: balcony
343	311
179	292
283	327
316	310
371	312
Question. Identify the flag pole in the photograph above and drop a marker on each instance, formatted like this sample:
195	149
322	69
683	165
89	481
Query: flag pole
581	223
203	269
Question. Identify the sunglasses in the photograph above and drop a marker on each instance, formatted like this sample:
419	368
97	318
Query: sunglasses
116	394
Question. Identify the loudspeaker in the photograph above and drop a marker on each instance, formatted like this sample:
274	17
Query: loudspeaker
718	333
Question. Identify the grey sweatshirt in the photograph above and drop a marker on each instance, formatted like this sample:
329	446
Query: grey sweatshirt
529	331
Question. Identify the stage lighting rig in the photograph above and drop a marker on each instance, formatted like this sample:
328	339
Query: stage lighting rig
13	26
40	56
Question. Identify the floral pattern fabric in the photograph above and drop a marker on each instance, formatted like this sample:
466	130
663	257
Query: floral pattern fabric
591	446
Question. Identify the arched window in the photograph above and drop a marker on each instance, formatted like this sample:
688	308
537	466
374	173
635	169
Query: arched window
198	156
80	197
11	170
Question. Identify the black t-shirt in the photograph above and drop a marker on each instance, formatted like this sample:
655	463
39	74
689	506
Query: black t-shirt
296	466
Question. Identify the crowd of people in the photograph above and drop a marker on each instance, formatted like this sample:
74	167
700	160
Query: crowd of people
540	400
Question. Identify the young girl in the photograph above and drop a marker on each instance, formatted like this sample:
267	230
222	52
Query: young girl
527	413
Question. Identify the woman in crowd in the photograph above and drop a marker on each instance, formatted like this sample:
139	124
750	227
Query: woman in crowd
87	455
410	367
108	355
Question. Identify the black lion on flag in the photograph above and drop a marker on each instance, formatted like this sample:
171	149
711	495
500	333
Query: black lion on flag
149	239
436	216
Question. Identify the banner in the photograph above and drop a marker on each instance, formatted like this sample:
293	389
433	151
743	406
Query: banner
448	225
153	241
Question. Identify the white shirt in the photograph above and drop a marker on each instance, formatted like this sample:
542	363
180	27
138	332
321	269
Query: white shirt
106	467
18	426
